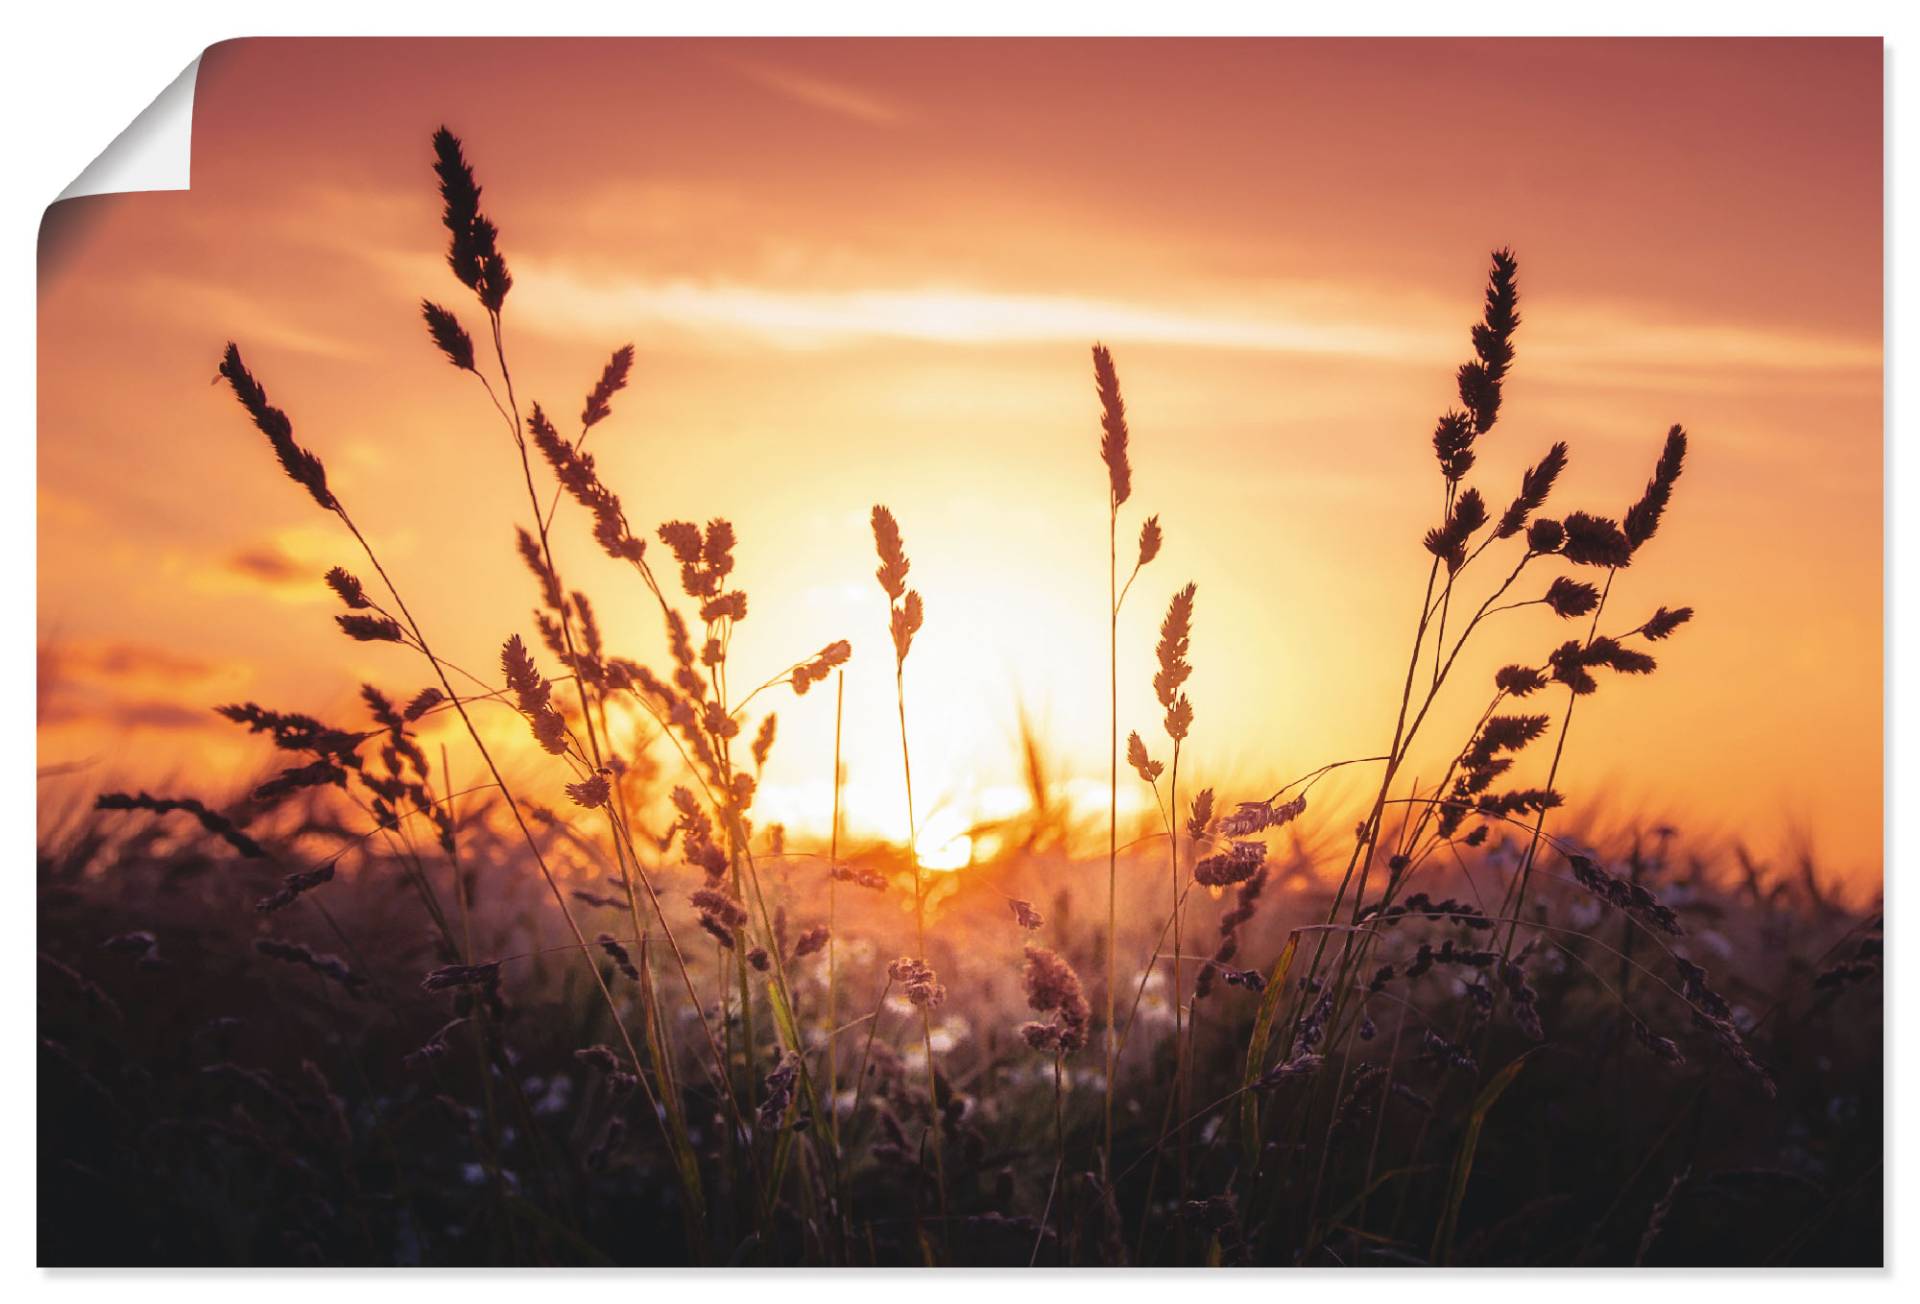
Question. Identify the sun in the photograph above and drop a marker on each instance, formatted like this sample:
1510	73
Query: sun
945	843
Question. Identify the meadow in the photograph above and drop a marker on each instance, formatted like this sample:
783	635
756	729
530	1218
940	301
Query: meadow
361	1015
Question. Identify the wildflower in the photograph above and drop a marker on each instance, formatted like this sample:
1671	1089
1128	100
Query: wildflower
923	986
1053	987
1041	1036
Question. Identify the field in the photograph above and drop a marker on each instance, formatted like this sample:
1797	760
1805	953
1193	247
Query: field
1452	1016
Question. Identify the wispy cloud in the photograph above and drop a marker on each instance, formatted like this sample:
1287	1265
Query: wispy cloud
1615	342
820	93
812	319
1575	343
125	661
124	683
285	567
147	713
267	565
198	304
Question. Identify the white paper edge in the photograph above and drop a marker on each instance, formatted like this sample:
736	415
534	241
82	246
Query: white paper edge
155	152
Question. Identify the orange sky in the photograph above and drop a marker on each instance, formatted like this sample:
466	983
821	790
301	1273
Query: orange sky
870	270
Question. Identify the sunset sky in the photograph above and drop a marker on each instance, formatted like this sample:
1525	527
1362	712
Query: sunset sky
861	271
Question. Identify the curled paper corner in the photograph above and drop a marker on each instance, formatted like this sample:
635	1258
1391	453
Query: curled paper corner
155	152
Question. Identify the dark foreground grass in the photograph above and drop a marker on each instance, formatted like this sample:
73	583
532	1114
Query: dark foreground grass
203	1102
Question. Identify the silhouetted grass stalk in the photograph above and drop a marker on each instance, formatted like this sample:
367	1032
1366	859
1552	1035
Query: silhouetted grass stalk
833	922
306	470
905	614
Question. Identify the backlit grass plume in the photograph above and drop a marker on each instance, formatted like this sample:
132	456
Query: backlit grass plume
1113	452
905	616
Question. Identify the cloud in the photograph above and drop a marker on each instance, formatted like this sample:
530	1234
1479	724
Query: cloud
813	319
159	715
197	302
1611	342
285	567
129	660
268	565
1574	343
124	684
148	713
820	93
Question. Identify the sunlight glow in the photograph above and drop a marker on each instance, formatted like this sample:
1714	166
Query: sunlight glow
875	311
945	843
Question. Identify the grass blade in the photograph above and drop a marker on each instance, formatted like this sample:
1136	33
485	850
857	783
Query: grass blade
1463	1161
1257	1053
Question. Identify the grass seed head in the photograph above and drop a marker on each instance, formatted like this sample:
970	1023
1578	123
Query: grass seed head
1113	428
300	465
613	379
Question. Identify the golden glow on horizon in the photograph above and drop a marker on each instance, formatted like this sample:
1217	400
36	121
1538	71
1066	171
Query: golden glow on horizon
861	272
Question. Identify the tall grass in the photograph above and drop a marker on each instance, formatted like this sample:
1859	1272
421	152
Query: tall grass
1342	1048
905	616
1113	453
